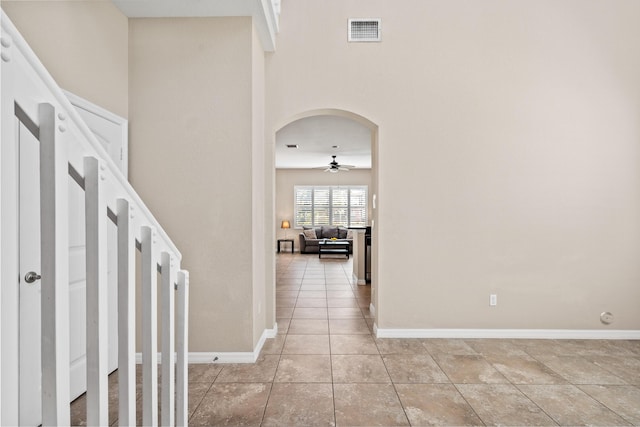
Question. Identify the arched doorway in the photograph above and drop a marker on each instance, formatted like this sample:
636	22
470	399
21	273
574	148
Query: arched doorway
278	216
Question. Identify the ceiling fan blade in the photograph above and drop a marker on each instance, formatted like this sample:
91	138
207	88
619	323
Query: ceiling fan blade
334	166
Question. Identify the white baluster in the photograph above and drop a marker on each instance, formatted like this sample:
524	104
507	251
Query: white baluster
97	297
126	316
182	344
56	158
168	339
149	329
54	226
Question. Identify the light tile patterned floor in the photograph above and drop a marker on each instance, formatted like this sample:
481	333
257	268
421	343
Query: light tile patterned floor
325	368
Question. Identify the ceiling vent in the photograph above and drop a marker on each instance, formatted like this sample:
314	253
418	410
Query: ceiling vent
364	30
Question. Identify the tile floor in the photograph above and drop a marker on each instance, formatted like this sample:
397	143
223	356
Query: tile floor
325	368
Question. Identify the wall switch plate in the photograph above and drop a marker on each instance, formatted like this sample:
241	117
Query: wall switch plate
493	300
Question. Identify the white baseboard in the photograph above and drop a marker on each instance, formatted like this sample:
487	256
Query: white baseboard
222	357
271	333
584	334
355	279
229	356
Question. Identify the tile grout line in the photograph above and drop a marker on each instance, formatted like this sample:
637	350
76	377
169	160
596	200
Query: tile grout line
604	404
513	382
520	391
395	389
455	385
203	395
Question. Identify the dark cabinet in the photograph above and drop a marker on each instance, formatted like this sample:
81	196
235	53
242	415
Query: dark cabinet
367	255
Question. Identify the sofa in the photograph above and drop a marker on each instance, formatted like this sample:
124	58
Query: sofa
309	244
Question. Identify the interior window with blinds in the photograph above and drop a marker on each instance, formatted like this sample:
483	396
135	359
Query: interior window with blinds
330	205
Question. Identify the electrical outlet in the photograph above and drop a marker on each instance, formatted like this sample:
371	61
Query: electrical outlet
493	300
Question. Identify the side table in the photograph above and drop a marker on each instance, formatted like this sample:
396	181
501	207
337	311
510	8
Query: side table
285	241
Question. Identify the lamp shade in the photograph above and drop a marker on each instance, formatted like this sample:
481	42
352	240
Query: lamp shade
285	224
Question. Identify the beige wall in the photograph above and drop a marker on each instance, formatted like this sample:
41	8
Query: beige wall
262	318
508	152
83	44
196	142
287	179
191	155
507	148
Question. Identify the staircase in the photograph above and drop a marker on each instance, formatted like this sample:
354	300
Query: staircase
34	108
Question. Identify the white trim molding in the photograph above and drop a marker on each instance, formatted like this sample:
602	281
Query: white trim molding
235	357
271	333
226	357
222	357
620	334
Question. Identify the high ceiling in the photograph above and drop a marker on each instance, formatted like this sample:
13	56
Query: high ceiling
184	8
264	13
316	136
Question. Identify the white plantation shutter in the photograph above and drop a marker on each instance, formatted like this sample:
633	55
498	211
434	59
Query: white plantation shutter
304	206
340	206
358	210
321	205
330	205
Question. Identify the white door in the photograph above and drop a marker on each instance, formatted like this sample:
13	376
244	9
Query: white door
113	138
30	378
29	325
78	292
111	131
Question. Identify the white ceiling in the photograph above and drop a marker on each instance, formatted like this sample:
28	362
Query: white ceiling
316	136
184	8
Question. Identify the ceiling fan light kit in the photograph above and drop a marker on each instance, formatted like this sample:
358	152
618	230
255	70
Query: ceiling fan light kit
335	167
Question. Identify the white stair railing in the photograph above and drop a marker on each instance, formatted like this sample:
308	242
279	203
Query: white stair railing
69	149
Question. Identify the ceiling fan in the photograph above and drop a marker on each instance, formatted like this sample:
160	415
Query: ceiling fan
335	167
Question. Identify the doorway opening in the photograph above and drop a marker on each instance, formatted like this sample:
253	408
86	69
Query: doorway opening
304	146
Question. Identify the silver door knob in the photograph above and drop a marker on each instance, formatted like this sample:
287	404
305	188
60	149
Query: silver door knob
31	277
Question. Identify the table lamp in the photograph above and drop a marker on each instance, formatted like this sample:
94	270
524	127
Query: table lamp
286	225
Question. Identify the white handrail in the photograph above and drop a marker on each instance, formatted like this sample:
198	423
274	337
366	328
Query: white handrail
20	44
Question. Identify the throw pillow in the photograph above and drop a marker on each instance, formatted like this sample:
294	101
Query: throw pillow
349	234
329	232
310	233
342	233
